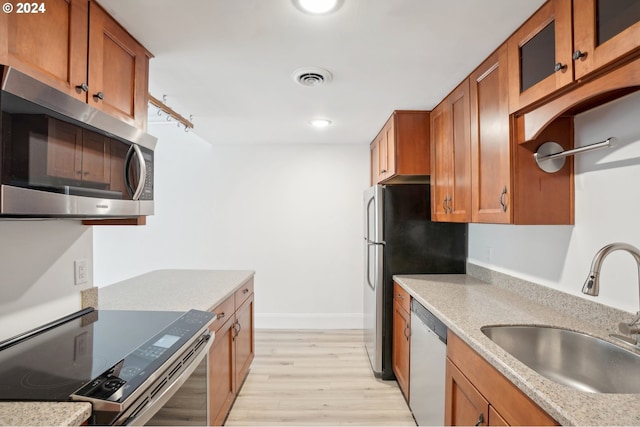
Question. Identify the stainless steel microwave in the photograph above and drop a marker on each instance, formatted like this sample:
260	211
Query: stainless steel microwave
62	158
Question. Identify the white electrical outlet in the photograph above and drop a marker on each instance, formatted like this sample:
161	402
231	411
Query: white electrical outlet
81	273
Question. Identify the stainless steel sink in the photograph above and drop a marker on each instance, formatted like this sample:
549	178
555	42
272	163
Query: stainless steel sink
571	358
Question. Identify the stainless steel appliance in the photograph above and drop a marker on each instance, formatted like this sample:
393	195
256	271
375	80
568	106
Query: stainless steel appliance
127	364
400	238
61	157
427	366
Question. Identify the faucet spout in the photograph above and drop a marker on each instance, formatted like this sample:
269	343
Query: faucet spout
592	284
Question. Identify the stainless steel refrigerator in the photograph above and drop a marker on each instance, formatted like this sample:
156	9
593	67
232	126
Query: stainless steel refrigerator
400	238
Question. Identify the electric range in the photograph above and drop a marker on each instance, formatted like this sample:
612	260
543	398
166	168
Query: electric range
125	363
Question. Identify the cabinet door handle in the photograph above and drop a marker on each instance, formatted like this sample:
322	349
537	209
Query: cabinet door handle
245	291
221	315
444	204
578	54
99	95
449	200
383	171
503	204
559	67
237	331
480	420
83	87
406	328
400	297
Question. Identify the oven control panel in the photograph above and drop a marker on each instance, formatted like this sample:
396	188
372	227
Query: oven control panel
119	381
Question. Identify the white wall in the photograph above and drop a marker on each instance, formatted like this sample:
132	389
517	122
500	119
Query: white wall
607	203
37	271
292	213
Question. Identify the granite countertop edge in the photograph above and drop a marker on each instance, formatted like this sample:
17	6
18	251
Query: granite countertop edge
44	413
465	304
174	290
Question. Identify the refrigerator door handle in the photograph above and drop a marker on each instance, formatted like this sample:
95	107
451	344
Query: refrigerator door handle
371	285
375	279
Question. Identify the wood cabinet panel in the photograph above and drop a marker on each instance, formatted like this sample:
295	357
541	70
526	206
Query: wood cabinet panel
232	352
511	403
490	141
495	419
451	158
76	44
555	16
464	405
441	167
603	36
400	151
222	377
243	294
224	312
50	46
401	347
118	70
244	340
402	297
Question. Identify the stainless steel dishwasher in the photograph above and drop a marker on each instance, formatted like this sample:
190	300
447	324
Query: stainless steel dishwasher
427	366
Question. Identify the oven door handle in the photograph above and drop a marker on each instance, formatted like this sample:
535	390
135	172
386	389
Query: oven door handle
142	417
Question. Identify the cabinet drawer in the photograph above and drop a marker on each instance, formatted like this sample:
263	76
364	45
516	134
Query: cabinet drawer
224	311
402	297
244	293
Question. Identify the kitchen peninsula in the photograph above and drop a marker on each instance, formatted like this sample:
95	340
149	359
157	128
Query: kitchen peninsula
227	293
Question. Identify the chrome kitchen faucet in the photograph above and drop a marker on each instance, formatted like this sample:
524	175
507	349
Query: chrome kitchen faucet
592	287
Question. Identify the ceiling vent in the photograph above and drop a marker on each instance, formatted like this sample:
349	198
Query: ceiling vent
311	76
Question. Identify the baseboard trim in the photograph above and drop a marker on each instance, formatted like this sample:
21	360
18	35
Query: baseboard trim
308	321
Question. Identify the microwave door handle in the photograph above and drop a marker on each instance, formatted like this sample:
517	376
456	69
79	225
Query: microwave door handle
142	171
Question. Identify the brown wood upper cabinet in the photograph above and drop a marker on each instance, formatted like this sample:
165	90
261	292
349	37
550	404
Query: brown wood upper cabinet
77	48
400	151
565	41
450	158
507	186
490	141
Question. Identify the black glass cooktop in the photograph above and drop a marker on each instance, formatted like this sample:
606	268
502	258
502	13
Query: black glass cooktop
52	365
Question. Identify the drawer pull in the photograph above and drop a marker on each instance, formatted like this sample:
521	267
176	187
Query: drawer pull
245	290
400	297
221	315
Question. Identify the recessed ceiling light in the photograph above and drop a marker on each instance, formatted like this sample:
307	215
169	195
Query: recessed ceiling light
317	7
320	123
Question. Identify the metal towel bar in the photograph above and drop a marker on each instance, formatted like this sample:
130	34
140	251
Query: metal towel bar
550	156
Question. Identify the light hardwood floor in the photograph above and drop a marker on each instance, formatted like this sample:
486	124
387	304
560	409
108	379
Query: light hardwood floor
316	378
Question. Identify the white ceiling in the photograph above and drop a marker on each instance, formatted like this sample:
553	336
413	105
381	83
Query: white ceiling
229	62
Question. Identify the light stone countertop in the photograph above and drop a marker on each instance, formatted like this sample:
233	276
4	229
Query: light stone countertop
44	413
173	290
465	304
164	290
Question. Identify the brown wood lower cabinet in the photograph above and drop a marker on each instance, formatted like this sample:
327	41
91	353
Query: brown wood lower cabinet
401	348
477	393
232	352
